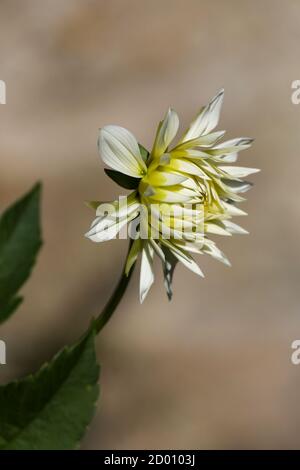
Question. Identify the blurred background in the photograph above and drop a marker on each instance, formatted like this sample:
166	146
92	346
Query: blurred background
211	369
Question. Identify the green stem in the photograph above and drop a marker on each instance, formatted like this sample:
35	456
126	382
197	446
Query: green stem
114	300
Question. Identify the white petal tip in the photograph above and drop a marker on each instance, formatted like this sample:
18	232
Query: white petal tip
143	295
89	233
199	272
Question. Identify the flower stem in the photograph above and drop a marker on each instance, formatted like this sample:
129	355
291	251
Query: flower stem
114	300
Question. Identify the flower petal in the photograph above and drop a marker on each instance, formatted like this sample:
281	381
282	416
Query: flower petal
211	249
168	269
111	217
119	208
105	229
235	186
133	254
230	158
231	146
204	141
206	120
174	194
238	171
187	166
147	275
166	132
234	228
164	178
232	210
158	250
216	229
196	154
185	258
119	150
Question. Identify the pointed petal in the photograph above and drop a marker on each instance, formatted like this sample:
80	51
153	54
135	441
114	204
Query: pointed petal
238	171
231	146
232	210
216	229
105	229
132	255
230	158
204	141
174	194
147	275
190	264
168	270
234	228
156	247
119	208
190	247
166	132
185	258
164	178
111	217
206	120
236	187
211	249
196	154
187	166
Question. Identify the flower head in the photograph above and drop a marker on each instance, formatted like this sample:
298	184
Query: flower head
182	194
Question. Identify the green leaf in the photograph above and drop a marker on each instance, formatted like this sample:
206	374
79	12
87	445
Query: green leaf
127	182
51	409
20	241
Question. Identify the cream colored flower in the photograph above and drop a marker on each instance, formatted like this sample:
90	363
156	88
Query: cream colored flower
182	194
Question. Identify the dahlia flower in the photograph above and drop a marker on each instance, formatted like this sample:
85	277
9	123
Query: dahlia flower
183	193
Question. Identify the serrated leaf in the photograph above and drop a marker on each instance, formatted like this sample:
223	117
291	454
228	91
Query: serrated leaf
20	241
127	182
51	409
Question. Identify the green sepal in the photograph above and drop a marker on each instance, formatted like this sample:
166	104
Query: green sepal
125	181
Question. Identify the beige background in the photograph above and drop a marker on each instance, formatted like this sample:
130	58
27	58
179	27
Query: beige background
212	369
